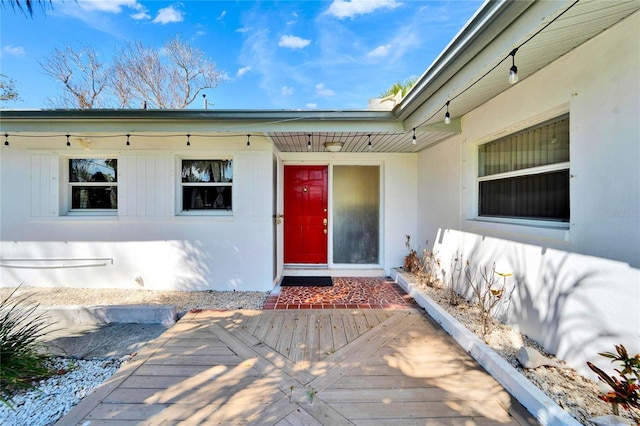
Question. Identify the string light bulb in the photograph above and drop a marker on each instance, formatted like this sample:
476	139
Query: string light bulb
369	144
447	116
513	71
414	140
188	141
68	143
248	140
6	140
309	142
128	143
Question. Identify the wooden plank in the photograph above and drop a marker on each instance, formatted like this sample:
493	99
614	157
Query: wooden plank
350	327
252	322
273	333
337	328
325	337
312	348
196	360
361	323
371	317
283	345
299	418
299	342
202	350
383	395
264	325
423	409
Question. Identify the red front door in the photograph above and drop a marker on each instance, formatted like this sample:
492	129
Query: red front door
305	214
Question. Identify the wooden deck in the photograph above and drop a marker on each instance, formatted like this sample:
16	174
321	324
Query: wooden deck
329	367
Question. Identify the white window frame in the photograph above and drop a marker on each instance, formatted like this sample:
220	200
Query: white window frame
67	196
180	187
540	223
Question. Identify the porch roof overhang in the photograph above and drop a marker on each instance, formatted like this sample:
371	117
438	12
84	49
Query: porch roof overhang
470	71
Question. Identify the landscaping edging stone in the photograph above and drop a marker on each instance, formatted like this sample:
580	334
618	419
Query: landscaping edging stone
532	398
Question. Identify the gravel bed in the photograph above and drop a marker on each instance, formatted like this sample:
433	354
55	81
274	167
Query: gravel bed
573	392
184	301
52	398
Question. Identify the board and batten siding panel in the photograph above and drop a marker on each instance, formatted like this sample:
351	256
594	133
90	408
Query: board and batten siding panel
147	185
44	185
252	186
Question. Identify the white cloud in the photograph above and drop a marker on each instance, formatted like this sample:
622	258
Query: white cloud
242	71
286	90
380	51
311	106
293	42
112	6
140	16
168	15
294	19
243	30
323	91
222	15
348	9
13	50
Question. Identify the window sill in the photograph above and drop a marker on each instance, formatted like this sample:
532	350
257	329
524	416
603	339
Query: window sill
528	229
209	213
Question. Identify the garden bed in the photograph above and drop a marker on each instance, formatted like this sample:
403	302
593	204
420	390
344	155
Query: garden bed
554	395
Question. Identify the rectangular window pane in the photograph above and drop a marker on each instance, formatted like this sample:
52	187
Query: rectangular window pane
207	171
94	197
539	196
356	214
537	146
206	197
93	170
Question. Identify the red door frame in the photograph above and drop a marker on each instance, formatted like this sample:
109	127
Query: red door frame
305	214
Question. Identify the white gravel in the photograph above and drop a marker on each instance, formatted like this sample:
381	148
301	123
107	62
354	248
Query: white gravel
54	397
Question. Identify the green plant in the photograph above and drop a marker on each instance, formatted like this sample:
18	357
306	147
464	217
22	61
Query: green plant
625	390
402	87
20	328
488	292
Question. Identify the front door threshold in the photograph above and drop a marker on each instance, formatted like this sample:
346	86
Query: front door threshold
325	271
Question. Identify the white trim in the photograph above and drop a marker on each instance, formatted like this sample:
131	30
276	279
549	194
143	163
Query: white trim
525	172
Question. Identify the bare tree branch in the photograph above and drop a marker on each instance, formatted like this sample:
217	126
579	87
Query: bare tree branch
82	74
8	90
167	78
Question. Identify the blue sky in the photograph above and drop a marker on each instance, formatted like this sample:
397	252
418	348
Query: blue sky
274	54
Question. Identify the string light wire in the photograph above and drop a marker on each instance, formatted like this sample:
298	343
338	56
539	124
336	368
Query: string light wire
414	141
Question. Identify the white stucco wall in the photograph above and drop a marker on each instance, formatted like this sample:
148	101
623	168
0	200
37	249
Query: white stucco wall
398	173
148	244
579	287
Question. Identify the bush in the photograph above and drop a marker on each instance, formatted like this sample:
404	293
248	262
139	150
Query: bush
20	328
625	390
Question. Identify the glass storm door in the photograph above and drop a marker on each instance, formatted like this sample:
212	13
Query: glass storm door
305	214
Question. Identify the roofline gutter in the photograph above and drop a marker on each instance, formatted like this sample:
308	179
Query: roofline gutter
191	115
488	22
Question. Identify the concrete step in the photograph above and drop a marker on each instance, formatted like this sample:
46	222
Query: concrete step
111	314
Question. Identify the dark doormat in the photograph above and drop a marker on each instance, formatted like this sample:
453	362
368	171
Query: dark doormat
306	281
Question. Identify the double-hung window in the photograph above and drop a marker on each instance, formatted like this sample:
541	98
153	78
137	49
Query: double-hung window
93	184
207	185
526	175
